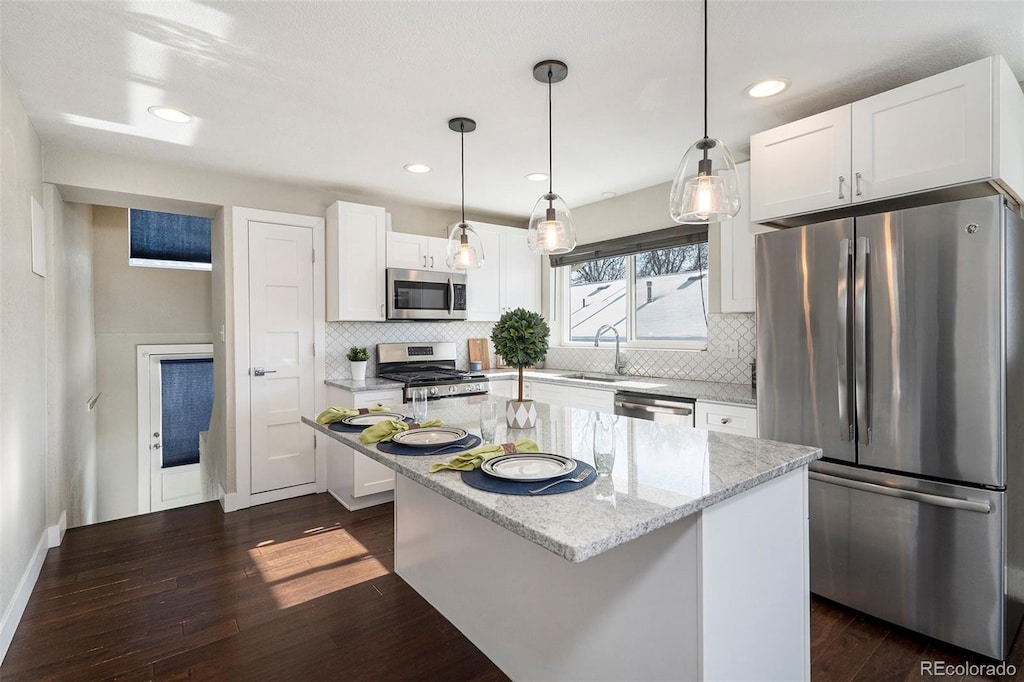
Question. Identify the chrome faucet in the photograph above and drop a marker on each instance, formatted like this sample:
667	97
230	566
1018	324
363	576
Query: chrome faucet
620	364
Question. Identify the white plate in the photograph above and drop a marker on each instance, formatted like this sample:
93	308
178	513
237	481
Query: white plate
528	466
370	418
429	437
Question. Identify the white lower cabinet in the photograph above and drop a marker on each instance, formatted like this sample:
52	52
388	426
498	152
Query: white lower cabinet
563	395
506	388
354	479
739	420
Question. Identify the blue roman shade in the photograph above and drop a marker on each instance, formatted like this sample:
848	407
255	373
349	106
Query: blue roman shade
186	392
169	239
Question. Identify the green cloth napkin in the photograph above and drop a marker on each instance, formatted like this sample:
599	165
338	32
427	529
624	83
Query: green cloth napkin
468	461
336	414
386	428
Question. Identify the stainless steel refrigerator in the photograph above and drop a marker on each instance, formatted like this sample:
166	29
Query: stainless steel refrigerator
894	342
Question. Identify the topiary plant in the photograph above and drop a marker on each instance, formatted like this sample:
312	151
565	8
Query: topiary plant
357	354
521	337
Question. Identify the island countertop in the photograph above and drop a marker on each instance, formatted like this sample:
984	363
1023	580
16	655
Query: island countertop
662	473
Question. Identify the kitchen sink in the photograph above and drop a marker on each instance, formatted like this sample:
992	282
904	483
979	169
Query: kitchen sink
594	377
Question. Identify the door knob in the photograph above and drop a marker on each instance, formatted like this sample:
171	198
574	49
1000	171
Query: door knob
259	371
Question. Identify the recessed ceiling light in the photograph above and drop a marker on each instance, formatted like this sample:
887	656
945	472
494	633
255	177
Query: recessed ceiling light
767	87
536	177
417	167
171	114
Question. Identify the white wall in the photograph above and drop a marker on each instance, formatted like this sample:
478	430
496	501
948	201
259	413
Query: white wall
22	359
133	306
71	363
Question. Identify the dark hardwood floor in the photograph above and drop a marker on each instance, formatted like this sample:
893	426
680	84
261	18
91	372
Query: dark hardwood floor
849	646
295	590
301	590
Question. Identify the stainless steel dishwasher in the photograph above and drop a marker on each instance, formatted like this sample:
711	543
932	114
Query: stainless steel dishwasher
656	408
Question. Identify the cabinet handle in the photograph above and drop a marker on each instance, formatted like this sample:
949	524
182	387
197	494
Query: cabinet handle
726	420
424	261
382	310
841	181
857	178
431	262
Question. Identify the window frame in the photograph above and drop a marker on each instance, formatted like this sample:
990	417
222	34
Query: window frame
560	280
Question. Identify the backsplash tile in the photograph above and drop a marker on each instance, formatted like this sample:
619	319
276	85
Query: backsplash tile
676	364
343	335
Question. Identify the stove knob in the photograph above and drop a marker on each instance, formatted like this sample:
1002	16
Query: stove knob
452	389
433	390
476	387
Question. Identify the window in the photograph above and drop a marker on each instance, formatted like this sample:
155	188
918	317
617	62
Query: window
654	297
168	240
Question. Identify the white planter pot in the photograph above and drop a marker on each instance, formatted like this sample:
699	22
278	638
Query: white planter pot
521	415
359	370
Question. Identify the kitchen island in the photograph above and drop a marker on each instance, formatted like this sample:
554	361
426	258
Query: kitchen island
688	562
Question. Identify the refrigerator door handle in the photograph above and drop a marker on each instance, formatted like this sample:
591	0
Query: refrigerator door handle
860	341
902	493
846	432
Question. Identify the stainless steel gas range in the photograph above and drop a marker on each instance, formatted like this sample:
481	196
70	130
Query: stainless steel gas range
430	365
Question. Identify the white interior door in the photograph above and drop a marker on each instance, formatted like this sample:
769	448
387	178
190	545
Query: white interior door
281	374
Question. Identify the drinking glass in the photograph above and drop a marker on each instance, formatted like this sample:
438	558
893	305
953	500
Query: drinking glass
488	420
419	405
604	444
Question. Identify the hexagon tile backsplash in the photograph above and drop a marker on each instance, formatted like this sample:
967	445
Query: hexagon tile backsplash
676	364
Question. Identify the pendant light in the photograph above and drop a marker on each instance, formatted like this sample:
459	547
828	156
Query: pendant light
551	229
465	251
706	188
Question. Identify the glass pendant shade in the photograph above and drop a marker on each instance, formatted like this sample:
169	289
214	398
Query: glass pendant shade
551	228
465	250
706	187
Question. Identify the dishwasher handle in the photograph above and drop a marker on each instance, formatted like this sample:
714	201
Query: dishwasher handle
650	408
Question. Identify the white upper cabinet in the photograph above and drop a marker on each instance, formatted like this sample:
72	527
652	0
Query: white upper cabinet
736	243
355	262
801	167
509	277
958	127
416	252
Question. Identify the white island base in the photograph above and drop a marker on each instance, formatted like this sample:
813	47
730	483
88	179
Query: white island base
722	594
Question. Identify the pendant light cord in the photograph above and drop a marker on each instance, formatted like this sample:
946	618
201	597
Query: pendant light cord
462	169
705	70
550	138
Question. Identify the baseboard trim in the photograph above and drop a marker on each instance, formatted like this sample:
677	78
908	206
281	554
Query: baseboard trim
282	494
55	534
229	502
19	601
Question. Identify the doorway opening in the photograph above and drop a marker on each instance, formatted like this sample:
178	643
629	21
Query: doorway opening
175	399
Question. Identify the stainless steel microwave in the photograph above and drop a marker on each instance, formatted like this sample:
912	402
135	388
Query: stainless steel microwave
426	295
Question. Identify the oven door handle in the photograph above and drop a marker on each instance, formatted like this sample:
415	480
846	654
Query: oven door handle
451	296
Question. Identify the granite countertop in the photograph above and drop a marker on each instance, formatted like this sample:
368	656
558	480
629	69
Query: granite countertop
740	394
369	384
662	473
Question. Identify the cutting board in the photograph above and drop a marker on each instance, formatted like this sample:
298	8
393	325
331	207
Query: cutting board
479	352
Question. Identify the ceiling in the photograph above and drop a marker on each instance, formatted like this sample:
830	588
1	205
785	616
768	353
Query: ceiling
341	95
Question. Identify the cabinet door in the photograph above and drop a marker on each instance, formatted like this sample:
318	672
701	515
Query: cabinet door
355	262
931	133
520	273
594	399
507	388
408	251
370	476
736	262
483	285
801	167
548	393
739	420
437	253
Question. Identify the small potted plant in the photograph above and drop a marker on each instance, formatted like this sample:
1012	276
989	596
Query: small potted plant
358	357
521	338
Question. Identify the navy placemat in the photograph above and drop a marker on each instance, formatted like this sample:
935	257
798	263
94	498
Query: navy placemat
452	449
345	428
476	478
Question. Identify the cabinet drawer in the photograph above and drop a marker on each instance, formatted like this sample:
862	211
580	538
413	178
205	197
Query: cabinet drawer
735	419
377	399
